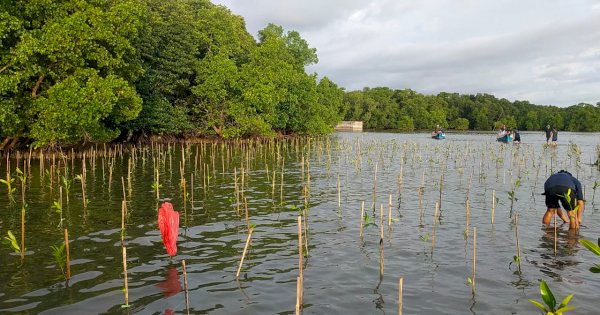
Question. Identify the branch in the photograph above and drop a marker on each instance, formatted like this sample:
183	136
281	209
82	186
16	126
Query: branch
37	86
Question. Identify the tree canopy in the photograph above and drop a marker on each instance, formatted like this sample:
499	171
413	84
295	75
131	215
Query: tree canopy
75	71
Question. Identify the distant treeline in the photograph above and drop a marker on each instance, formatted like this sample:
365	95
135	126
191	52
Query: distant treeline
102	70
384	108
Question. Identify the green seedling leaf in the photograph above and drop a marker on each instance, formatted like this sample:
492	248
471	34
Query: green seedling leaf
517	259
539	305
564	303
424	238
12	242
470	281
595	269
591	246
547	295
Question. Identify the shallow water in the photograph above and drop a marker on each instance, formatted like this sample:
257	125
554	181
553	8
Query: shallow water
342	271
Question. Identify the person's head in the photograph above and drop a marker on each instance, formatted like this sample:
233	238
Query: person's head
548	126
563	171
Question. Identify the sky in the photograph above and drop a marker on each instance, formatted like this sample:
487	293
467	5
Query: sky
546	52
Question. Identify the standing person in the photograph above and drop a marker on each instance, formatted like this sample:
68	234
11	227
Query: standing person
554	136
548	131
564	187
517	136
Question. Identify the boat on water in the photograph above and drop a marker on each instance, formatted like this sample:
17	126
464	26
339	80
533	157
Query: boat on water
505	138
438	135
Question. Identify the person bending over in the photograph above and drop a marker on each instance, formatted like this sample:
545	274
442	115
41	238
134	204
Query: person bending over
564	187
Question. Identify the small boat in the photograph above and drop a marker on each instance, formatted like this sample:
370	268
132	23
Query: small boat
506	138
438	136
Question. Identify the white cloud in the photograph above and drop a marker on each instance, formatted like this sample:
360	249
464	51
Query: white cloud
543	51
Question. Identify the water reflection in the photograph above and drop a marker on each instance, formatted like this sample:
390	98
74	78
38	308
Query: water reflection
557	250
171	285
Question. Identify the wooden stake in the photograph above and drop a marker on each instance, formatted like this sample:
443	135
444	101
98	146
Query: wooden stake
381	225
244	253
124	250
474	259
400	284
555	235
68	257
390	213
437	206
123	214
362	217
493	204
185	287
23	232
518	246
300	278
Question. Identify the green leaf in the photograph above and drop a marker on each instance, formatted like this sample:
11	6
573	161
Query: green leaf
564	302
539	305
595	269
591	246
547	295
564	309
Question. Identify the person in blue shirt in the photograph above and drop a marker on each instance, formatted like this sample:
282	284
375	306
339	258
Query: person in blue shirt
564	187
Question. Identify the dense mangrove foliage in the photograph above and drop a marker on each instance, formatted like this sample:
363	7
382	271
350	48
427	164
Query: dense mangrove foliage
76	71
384	108
93	71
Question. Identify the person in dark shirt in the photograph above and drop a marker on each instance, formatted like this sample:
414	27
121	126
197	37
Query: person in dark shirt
517	136
548	131
564	187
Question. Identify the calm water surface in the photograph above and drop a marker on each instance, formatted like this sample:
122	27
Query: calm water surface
342	271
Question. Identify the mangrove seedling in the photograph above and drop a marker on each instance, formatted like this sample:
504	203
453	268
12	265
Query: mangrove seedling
58	252
66	183
551	308
11	190
12	242
594	248
596	185
511	194
58	209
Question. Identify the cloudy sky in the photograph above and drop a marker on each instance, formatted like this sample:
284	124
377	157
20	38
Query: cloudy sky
543	51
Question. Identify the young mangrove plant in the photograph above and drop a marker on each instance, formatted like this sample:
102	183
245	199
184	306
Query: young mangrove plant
12	242
60	257
594	248
596	185
551	308
57	207
10	190
511	194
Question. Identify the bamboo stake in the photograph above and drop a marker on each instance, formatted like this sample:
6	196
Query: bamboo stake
244	253
390	213
555	235
339	192
493	204
185	286
518	246
474	259
437	206
467	209
23	231
381	225
123	214
67	252
362	217
400	284
124	250
298	288
246	210
300	263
